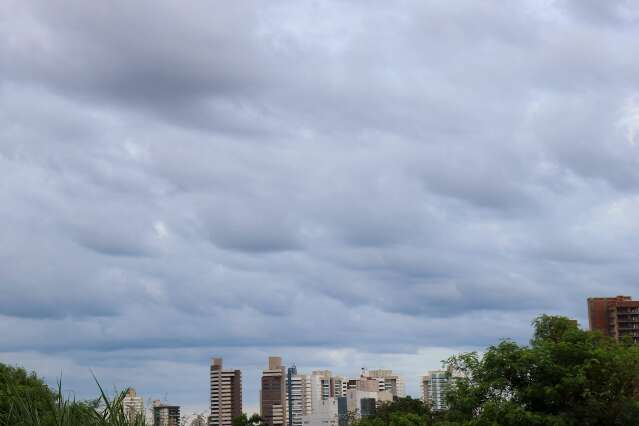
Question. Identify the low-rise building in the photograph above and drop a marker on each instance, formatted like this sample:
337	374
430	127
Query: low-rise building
165	415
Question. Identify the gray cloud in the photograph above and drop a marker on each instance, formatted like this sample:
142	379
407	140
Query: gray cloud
339	184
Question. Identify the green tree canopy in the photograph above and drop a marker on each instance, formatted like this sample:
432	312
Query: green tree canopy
565	377
17	384
244	420
401	412
25	400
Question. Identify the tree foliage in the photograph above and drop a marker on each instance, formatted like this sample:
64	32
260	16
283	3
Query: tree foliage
25	400
16	385
401	412
244	420
565	377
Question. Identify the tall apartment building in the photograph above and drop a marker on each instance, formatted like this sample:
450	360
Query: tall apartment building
434	386
273	393
389	382
226	394
340	386
614	316
298	393
133	405
322	388
165	415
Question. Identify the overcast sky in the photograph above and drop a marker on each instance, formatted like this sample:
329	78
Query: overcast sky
345	184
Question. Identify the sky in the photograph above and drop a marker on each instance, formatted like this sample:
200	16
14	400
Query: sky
345	184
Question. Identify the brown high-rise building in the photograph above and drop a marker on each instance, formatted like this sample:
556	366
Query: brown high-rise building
273	393
226	394
614	316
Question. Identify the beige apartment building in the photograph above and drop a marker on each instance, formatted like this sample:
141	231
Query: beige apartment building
133	405
226	394
389	382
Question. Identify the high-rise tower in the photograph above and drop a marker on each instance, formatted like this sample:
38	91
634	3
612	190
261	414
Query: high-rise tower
298	395
434	386
226	394
273	393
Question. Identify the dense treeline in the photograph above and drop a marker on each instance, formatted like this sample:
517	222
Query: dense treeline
25	400
564	377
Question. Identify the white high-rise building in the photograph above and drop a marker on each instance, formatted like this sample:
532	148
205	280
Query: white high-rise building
340	386
298	396
133	405
322	388
434	386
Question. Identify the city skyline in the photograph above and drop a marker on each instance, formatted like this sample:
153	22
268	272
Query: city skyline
307	390
222	382
346	184
302	396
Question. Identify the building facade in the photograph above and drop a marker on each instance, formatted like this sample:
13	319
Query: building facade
616	317
360	403
322	388
343	418
226	394
364	383
298	393
133	405
340	386
434	386
326	414
389	382
165	415
273	404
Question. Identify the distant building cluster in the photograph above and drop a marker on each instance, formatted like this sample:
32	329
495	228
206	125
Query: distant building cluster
287	397
320	398
291	398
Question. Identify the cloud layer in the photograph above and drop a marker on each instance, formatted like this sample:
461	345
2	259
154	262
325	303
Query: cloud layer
337	182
